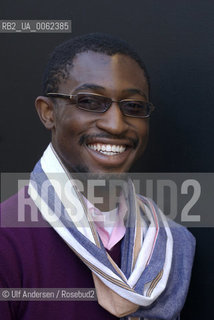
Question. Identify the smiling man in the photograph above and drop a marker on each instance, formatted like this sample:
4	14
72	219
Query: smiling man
96	103
114	133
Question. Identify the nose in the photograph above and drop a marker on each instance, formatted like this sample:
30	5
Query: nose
112	121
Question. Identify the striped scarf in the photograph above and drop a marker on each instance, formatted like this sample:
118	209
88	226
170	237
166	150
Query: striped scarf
156	253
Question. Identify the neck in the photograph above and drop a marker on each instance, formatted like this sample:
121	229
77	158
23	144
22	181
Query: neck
102	191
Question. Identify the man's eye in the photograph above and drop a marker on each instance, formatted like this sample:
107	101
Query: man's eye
138	108
87	100
134	105
89	103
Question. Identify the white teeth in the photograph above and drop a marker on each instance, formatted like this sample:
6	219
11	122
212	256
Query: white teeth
94	147
107	149
108	153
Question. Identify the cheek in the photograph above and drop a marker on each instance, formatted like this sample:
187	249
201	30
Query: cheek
143	135
142	129
72	124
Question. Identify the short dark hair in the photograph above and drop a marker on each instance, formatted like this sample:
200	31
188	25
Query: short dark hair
62	57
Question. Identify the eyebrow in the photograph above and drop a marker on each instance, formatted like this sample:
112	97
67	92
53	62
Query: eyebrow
92	86
135	91
89	86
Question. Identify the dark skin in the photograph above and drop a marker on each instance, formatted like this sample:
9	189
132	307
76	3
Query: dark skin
73	130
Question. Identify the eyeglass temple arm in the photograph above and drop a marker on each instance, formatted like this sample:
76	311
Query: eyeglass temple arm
55	94
71	97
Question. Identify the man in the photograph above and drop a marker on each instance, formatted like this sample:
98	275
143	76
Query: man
96	104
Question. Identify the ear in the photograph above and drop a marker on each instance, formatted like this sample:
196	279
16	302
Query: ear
45	109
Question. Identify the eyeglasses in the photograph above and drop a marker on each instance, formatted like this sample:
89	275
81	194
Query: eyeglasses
97	103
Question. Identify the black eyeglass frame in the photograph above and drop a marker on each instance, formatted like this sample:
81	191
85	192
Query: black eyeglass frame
108	104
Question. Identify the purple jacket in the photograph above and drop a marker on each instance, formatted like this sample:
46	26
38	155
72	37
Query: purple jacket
36	257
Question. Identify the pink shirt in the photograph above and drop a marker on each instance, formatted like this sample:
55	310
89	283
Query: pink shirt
109	225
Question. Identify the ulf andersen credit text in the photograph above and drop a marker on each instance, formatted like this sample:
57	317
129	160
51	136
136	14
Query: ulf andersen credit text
50	294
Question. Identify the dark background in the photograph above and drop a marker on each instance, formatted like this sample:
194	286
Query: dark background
176	41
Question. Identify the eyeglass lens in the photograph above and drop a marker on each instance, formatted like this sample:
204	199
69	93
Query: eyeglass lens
101	104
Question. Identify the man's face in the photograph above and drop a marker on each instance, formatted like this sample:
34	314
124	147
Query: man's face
100	142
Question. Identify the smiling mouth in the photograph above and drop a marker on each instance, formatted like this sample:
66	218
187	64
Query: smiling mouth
107	149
